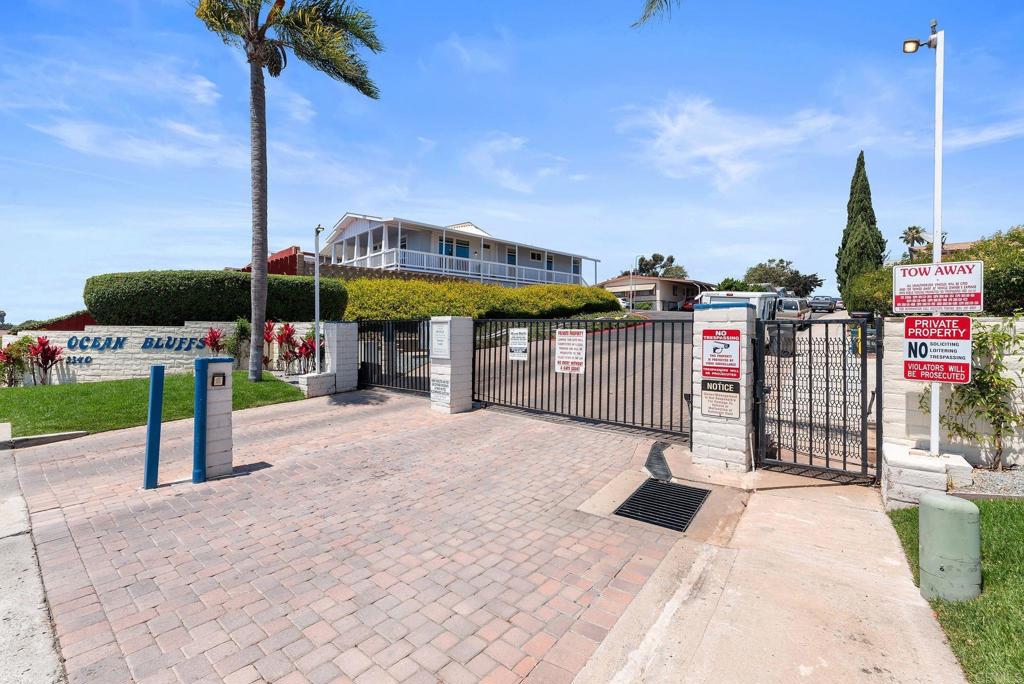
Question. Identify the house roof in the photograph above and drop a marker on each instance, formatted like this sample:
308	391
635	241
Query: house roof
654	279
463	228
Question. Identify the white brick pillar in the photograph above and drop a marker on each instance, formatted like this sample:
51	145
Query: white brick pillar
341	343
723	393
451	363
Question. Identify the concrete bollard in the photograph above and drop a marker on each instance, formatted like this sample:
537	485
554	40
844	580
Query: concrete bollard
950	547
211	446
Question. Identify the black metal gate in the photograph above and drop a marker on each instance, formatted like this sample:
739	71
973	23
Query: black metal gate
395	354
634	373
818	385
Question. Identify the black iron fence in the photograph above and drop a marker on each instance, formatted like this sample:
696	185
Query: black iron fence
395	354
634	373
818	384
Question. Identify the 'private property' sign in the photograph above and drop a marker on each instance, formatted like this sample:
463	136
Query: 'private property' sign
937	349
922	288
570	350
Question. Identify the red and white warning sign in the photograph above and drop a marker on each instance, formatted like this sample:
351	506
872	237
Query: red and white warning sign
721	353
954	287
570	350
937	349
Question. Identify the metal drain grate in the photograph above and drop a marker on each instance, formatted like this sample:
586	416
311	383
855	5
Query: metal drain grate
665	504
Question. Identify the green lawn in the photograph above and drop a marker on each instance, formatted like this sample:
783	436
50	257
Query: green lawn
987	634
99	406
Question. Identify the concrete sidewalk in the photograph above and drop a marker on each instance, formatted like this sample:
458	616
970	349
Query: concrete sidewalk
812	587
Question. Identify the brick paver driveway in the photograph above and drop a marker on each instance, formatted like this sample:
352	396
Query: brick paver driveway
366	539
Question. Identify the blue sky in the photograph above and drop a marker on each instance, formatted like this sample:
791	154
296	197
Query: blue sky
725	136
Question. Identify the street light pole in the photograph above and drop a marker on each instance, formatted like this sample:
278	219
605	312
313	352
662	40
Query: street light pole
316	296
935	41
632	287
939	36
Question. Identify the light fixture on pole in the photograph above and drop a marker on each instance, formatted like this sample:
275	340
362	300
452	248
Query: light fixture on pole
936	42
316	296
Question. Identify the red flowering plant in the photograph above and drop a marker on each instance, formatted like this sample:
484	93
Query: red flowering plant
214	340
287	345
14	361
268	339
307	353
43	356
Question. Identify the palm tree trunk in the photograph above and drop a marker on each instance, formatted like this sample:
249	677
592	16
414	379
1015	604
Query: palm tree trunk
258	142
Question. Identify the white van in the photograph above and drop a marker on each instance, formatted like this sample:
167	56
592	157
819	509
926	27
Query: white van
767	308
766	304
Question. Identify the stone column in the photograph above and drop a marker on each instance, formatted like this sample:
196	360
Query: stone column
451	364
723	417
341	342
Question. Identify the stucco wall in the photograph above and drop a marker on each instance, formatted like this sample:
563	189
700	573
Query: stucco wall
907	424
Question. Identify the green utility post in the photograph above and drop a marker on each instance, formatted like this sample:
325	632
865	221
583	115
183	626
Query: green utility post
950	546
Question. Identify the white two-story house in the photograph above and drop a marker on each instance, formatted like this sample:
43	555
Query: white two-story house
462	250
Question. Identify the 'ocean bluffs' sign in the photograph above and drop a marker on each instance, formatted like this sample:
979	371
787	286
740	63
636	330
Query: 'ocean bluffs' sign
110	343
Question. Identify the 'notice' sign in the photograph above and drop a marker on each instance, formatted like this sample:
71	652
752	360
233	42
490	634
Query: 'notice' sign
955	287
720	353
937	349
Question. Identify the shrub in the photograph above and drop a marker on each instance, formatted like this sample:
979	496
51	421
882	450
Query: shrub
870	291
379	298
173	297
14	361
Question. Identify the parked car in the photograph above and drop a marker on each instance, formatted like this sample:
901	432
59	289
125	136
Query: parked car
780	339
794	309
822	303
840	306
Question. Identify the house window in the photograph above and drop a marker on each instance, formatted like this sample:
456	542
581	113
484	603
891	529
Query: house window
510	256
377	246
445	246
535	256
675	290
462	248
486	245
550	265
575	266
403	243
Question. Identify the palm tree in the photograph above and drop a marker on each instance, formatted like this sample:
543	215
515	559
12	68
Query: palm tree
913	236
654	8
322	33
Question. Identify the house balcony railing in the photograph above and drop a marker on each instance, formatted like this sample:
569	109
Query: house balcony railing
425	262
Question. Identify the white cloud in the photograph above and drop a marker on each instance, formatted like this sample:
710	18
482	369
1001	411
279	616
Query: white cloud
295	105
169	142
427	145
965	137
489	159
693	137
477	55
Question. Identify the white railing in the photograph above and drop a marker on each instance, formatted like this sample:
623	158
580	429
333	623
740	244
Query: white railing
462	266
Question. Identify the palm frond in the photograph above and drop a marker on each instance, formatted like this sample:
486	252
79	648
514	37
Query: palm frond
654	8
227	18
325	33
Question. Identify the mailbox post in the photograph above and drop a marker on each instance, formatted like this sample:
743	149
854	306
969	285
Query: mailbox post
211	446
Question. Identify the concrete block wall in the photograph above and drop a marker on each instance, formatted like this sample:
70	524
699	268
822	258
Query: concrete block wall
456	373
726	443
341	342
218	423
317	385
908	474
906	424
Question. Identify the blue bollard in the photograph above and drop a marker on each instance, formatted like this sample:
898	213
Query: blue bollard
156	411
202	366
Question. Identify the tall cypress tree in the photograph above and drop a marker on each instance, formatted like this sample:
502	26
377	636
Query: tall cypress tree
867	252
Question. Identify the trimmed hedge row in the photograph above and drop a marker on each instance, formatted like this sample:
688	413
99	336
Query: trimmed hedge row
378	298
173	297
1003	254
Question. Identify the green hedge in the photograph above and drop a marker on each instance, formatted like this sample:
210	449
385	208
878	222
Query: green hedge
379	298
1003	254
173	297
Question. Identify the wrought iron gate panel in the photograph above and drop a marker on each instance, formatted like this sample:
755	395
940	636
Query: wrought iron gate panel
816	394
395	354
636	374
